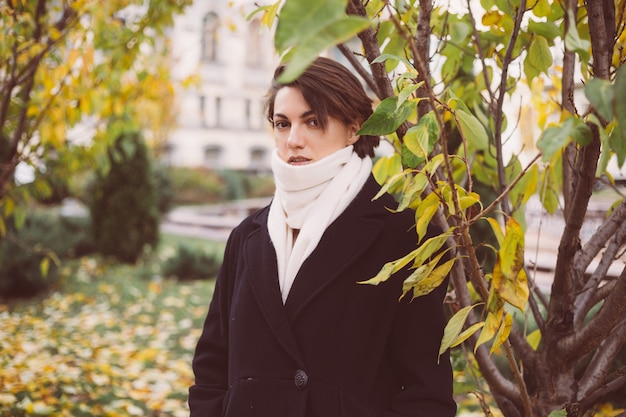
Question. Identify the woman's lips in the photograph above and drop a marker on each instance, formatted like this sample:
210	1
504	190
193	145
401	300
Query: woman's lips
298	160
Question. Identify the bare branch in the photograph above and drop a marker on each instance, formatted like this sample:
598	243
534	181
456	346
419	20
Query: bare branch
601	18
582	261
366	76
505	192
384	88
597	370
602	235
584	341
615	384
567	101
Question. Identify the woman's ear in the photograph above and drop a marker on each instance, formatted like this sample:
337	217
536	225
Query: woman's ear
353	136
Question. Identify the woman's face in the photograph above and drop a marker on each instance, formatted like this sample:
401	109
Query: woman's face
300	140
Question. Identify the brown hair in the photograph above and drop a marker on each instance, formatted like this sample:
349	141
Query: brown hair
331	90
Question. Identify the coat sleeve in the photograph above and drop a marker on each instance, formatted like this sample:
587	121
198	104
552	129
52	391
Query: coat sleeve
414	347
210	362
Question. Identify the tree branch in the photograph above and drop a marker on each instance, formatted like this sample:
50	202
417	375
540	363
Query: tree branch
368	38
567	101
602	392
602	30
366	76
599	367
583	259
602	235
585	340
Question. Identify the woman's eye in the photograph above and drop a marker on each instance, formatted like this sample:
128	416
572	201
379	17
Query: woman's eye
281	124
314	122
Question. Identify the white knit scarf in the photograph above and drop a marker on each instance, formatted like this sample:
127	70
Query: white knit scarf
309	198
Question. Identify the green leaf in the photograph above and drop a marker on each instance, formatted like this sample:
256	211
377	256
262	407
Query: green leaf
605	147
548	30
406	92
472	130
542	9
387	57
549	189
618	140
416	140
539	54
574	42
413	188
387	117
307	49
554	138
559	413
301	19
453	328
525	187
599	92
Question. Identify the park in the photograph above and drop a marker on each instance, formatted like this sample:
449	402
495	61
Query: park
504	123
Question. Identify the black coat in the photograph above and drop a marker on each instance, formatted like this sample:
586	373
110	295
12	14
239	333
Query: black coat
335	348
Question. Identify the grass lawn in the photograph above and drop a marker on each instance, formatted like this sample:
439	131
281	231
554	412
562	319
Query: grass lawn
114	340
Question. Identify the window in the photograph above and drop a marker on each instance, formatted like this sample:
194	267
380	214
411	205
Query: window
254	52
210	24
212	156
202	111
259	159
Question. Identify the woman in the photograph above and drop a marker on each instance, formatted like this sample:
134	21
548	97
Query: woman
290	332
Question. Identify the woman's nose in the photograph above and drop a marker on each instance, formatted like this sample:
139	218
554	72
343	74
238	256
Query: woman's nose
295	138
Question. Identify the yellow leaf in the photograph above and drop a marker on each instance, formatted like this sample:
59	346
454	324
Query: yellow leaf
492	18
509	277
72	56
453	328
386	167
390	268
270	14
534	338
497	230
467	333
427	277
492	324
424	213
44	266
503	332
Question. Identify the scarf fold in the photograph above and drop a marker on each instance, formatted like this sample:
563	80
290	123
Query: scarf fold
309	198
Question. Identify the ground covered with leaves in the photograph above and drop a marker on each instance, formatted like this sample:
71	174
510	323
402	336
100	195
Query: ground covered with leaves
110	343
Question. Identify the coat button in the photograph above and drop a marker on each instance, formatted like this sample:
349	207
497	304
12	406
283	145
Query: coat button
300	378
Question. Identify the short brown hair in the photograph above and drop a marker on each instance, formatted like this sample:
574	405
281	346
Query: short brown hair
330	89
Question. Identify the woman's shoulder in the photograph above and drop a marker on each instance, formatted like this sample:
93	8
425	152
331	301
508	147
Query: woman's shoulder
250	223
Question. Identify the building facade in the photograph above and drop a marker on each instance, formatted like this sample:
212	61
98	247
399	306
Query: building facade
220	122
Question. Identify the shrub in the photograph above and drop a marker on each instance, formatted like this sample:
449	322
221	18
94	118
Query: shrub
241	184
189	263
196	186
44	233
164	187
124	211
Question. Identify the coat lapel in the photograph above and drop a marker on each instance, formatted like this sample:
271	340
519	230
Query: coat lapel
263	277
352	233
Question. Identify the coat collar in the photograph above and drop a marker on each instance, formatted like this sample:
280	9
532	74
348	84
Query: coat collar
352	233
